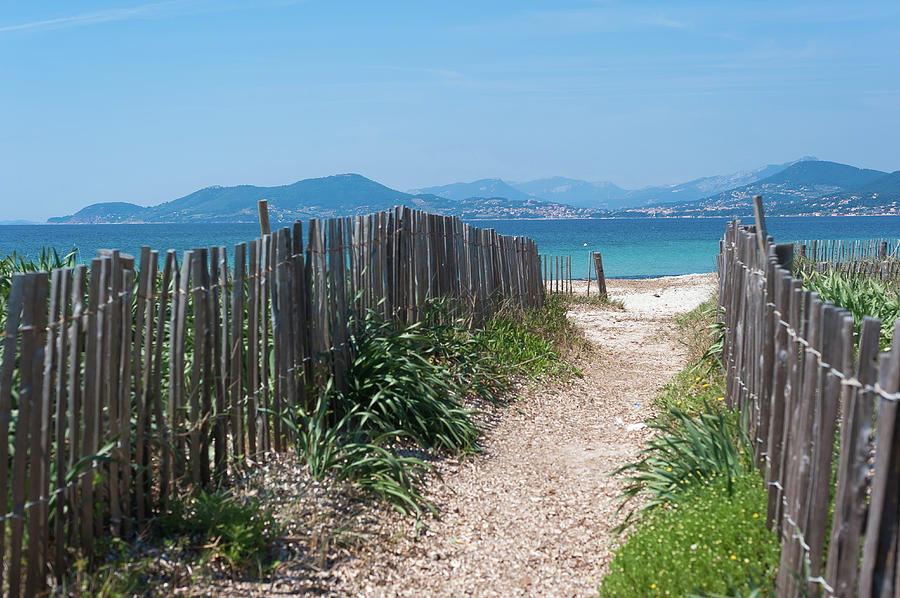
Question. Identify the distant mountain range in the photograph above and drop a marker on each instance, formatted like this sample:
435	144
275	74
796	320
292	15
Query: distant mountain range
338	195
804	186
604	195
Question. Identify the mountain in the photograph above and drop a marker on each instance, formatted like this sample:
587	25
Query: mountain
607	195
574	192
807	187
338	195
880	195
480	188
706	186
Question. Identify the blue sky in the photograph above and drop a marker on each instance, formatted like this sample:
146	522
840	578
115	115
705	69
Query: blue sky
148	101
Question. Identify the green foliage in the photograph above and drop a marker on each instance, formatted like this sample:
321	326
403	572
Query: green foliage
352	452
692	389
466	353
238	532
712	540
49	259
688	451
861	296
702	383
400	382
532	342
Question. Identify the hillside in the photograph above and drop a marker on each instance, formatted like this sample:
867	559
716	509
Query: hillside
805	188
706	186
344	194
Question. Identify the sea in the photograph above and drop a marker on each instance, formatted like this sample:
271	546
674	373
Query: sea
631	248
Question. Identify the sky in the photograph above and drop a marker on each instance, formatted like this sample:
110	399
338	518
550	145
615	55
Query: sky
148	101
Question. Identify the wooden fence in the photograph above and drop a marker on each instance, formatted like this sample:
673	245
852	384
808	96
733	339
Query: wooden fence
876	258
121	388
823	418
557	273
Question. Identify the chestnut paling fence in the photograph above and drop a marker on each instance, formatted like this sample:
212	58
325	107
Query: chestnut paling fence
823	412
122	388
875	258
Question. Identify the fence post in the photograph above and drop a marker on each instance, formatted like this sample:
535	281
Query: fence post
263	207
601	279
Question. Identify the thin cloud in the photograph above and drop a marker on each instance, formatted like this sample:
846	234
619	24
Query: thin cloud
90	18
143	11
660	20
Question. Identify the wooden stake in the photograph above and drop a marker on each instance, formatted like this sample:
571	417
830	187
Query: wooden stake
601	278
760	227
263	206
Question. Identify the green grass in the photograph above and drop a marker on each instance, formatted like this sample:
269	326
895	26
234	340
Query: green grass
710	541
404	379
534	342
220	527
702	383
416	385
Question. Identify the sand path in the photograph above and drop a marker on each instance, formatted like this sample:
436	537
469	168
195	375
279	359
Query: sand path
531	515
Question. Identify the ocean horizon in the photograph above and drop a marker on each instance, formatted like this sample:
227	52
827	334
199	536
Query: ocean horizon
631	247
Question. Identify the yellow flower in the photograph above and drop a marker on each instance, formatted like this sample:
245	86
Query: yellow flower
721	399
652	586
733	558
668	469
697	379
755	515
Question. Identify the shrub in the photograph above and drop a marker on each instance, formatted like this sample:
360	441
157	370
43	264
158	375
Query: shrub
712	540
49	259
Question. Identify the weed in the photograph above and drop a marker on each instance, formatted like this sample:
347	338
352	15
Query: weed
535	342
596	300
351	452
223	528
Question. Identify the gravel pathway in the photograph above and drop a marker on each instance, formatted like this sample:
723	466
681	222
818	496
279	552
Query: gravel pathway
532	514
529	516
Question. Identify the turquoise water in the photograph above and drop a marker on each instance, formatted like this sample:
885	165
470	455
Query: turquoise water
630	247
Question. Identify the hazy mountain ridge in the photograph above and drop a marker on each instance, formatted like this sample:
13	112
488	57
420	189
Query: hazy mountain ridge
479	188
605	195
584	194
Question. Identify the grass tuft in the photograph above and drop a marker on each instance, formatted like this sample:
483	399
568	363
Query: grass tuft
223	528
